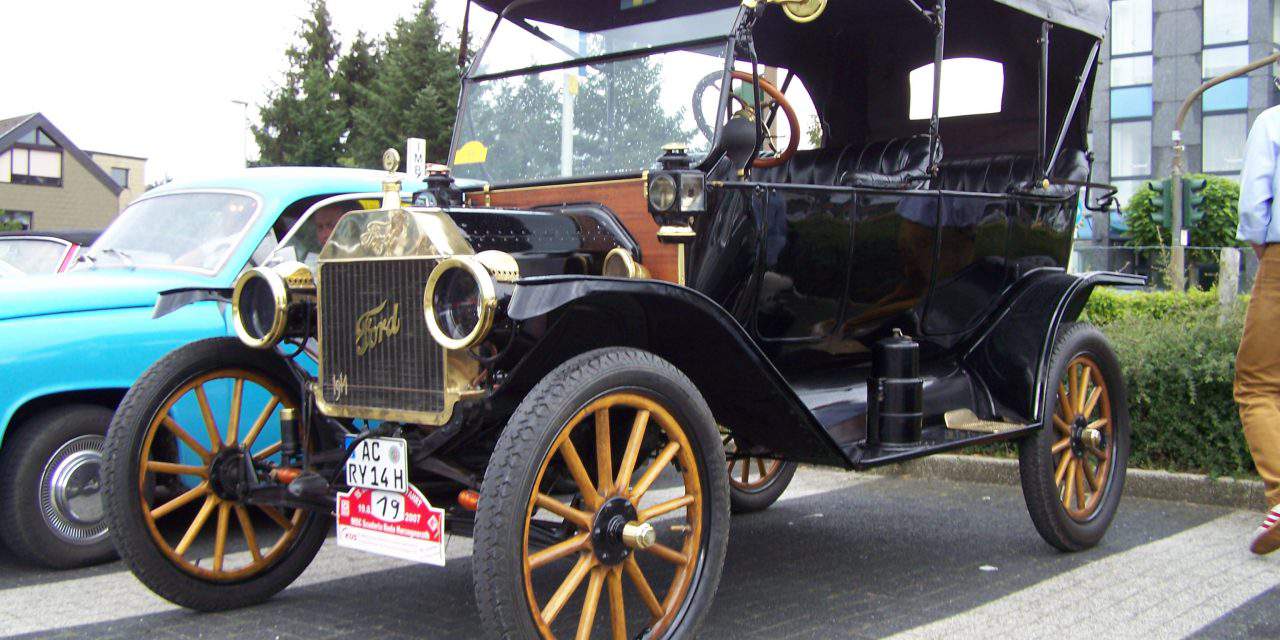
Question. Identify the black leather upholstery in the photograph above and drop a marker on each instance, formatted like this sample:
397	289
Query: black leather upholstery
896	163
1006	172
899	163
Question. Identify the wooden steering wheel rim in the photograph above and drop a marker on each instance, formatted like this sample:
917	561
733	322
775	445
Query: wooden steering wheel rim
793	140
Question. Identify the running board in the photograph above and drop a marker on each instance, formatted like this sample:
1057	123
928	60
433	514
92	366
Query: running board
967	420
936	439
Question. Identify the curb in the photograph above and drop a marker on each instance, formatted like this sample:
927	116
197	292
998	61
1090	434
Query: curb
1139	483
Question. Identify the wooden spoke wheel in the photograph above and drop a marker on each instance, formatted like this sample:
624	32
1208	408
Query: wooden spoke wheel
620	530
1083	450
755	482
1073	468
205	466
613	521
179	454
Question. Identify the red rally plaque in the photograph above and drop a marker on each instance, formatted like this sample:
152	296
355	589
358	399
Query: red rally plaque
400	525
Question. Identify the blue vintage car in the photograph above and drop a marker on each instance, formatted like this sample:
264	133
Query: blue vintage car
72	344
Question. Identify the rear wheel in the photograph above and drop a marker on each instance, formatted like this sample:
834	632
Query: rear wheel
175	454
755	482
641	533
1073	468
51	510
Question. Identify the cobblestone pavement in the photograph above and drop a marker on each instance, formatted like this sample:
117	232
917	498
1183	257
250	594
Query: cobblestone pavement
841	556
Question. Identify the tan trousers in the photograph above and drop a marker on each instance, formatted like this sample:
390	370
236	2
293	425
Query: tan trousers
1257	383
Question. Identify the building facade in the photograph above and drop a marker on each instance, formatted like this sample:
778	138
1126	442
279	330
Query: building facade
1158	52
126	171
48	183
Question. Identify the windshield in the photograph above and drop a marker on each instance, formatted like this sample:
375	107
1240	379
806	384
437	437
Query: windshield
182	231
31	255
599	119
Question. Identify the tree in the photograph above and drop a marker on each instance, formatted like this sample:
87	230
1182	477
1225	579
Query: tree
303	122
355	69
412	93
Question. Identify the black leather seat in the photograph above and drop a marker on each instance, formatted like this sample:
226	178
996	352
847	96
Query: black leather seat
898	163
1002	173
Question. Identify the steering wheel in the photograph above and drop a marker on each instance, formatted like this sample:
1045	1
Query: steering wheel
770	106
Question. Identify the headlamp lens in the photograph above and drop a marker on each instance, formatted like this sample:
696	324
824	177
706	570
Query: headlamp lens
456	303
662	192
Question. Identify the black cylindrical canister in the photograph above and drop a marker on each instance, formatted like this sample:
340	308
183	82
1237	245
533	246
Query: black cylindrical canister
898	405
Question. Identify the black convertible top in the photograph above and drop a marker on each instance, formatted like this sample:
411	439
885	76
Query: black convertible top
1089	16
83	237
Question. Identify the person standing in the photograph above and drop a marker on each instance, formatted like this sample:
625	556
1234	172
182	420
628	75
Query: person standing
1257	380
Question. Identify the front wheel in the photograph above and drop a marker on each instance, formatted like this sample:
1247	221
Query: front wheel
176	453
608	481
1073	468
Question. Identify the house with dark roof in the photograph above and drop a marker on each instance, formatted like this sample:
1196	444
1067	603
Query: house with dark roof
48	183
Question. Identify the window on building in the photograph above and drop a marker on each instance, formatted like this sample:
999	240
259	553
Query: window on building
120	175
1131	149
1222	149
1226	21
11	220
1130	26
1131	98
34	159
1224	122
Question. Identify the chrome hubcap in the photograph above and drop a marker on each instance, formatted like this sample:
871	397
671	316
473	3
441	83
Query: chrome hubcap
71	491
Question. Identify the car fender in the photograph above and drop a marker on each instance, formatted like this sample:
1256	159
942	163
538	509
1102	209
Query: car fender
107	349
746	393
1011	356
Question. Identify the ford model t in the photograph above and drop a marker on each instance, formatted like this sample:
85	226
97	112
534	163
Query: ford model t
588	363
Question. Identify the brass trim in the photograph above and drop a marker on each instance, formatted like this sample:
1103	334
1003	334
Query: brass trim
630	267
488	302
801	11
500	264
280	300
429	418
676	233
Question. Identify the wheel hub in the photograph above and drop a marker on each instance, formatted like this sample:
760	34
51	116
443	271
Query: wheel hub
1082	437
607	539
71	491
226	474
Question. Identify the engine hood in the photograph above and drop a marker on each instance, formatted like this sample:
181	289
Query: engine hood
546	241
89	290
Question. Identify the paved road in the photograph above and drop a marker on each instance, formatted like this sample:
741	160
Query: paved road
841	556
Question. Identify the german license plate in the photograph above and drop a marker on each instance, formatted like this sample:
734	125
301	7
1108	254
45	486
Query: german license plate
381	464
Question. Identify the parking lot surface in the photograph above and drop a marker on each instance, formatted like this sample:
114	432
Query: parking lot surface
840	556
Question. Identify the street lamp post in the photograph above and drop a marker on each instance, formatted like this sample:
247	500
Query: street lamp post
244	131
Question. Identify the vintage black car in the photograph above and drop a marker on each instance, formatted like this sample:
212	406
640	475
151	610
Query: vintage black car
588	363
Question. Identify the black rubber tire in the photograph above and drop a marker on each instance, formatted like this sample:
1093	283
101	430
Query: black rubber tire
1036	463
497	564
26	451
129	530
759	499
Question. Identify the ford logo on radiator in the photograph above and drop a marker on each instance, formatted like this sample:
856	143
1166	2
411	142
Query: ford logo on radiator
374	326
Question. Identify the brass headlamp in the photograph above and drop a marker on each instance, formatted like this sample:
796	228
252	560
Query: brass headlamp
265	298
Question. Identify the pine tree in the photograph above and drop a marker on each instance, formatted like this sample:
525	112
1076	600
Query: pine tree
303	121
413	92
356	69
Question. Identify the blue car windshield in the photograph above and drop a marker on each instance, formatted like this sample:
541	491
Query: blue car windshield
181	231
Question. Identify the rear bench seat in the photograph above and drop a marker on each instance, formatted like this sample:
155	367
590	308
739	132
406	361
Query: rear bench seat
1008	172
898	163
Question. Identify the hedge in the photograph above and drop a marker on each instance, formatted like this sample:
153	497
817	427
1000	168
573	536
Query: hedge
1178	365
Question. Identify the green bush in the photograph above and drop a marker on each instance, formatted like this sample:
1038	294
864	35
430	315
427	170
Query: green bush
1108	305
1178	369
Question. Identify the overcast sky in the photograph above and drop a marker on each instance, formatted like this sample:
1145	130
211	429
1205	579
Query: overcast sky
156	78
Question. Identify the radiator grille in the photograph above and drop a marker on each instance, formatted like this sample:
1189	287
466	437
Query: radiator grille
400	370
